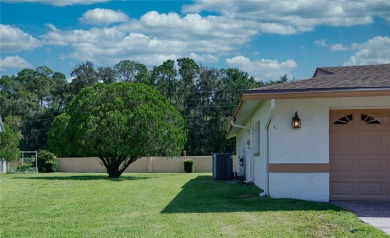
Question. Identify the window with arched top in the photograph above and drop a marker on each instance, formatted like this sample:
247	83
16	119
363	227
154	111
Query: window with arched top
369	119
344	120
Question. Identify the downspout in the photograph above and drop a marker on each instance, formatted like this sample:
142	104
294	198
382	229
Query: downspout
272	109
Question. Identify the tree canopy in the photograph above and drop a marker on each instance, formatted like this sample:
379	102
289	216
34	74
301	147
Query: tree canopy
9	144
204	96
119	123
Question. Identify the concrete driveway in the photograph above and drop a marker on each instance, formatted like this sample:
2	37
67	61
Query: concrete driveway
376	214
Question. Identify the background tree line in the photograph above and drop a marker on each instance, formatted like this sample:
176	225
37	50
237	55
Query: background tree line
205	96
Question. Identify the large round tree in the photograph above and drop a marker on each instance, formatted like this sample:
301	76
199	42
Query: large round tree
119	123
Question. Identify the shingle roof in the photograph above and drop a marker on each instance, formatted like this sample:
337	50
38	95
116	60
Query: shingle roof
345	77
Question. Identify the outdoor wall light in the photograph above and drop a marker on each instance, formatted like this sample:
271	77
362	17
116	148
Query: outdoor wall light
296	121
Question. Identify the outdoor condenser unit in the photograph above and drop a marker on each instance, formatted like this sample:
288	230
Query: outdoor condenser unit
222	166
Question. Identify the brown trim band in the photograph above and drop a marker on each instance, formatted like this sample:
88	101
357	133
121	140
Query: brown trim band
299	168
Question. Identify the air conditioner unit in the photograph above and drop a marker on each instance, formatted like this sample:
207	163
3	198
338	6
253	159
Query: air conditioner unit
222	166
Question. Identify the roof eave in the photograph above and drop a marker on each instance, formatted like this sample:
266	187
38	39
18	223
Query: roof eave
302	94
229	127
314	93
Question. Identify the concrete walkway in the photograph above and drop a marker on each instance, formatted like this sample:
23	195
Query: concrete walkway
376	214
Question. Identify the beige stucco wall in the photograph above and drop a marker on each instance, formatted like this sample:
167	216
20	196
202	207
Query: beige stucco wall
142	165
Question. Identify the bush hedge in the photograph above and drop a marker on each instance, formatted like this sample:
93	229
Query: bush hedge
51	166
46	162
24	168
189	166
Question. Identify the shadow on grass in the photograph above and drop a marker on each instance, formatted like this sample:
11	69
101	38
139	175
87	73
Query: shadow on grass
85	177
205	195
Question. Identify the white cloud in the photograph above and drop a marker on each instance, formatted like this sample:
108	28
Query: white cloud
154	37
338	47
12	39
374	51
334	47
14	62
203	58
99	16
110	45
264	69
290	17
321	43
195	28
59	3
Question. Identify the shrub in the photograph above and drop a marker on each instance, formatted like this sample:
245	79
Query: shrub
51	166
189	165
11	169
46	162
23	168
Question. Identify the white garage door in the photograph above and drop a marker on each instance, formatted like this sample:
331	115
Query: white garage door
360	155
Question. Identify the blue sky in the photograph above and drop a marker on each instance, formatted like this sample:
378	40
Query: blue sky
264	38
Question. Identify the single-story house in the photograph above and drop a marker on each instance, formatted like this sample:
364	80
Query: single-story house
323	138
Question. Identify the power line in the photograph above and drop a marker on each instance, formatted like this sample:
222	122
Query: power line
203	91
219	107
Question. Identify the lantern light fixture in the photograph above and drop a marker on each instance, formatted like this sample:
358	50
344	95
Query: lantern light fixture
296	121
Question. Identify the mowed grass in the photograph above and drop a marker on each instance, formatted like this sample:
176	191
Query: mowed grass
160	205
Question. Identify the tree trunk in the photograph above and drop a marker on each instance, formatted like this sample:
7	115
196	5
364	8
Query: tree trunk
113	165
113	173
113	168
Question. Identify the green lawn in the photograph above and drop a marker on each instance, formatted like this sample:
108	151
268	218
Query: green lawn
160	205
